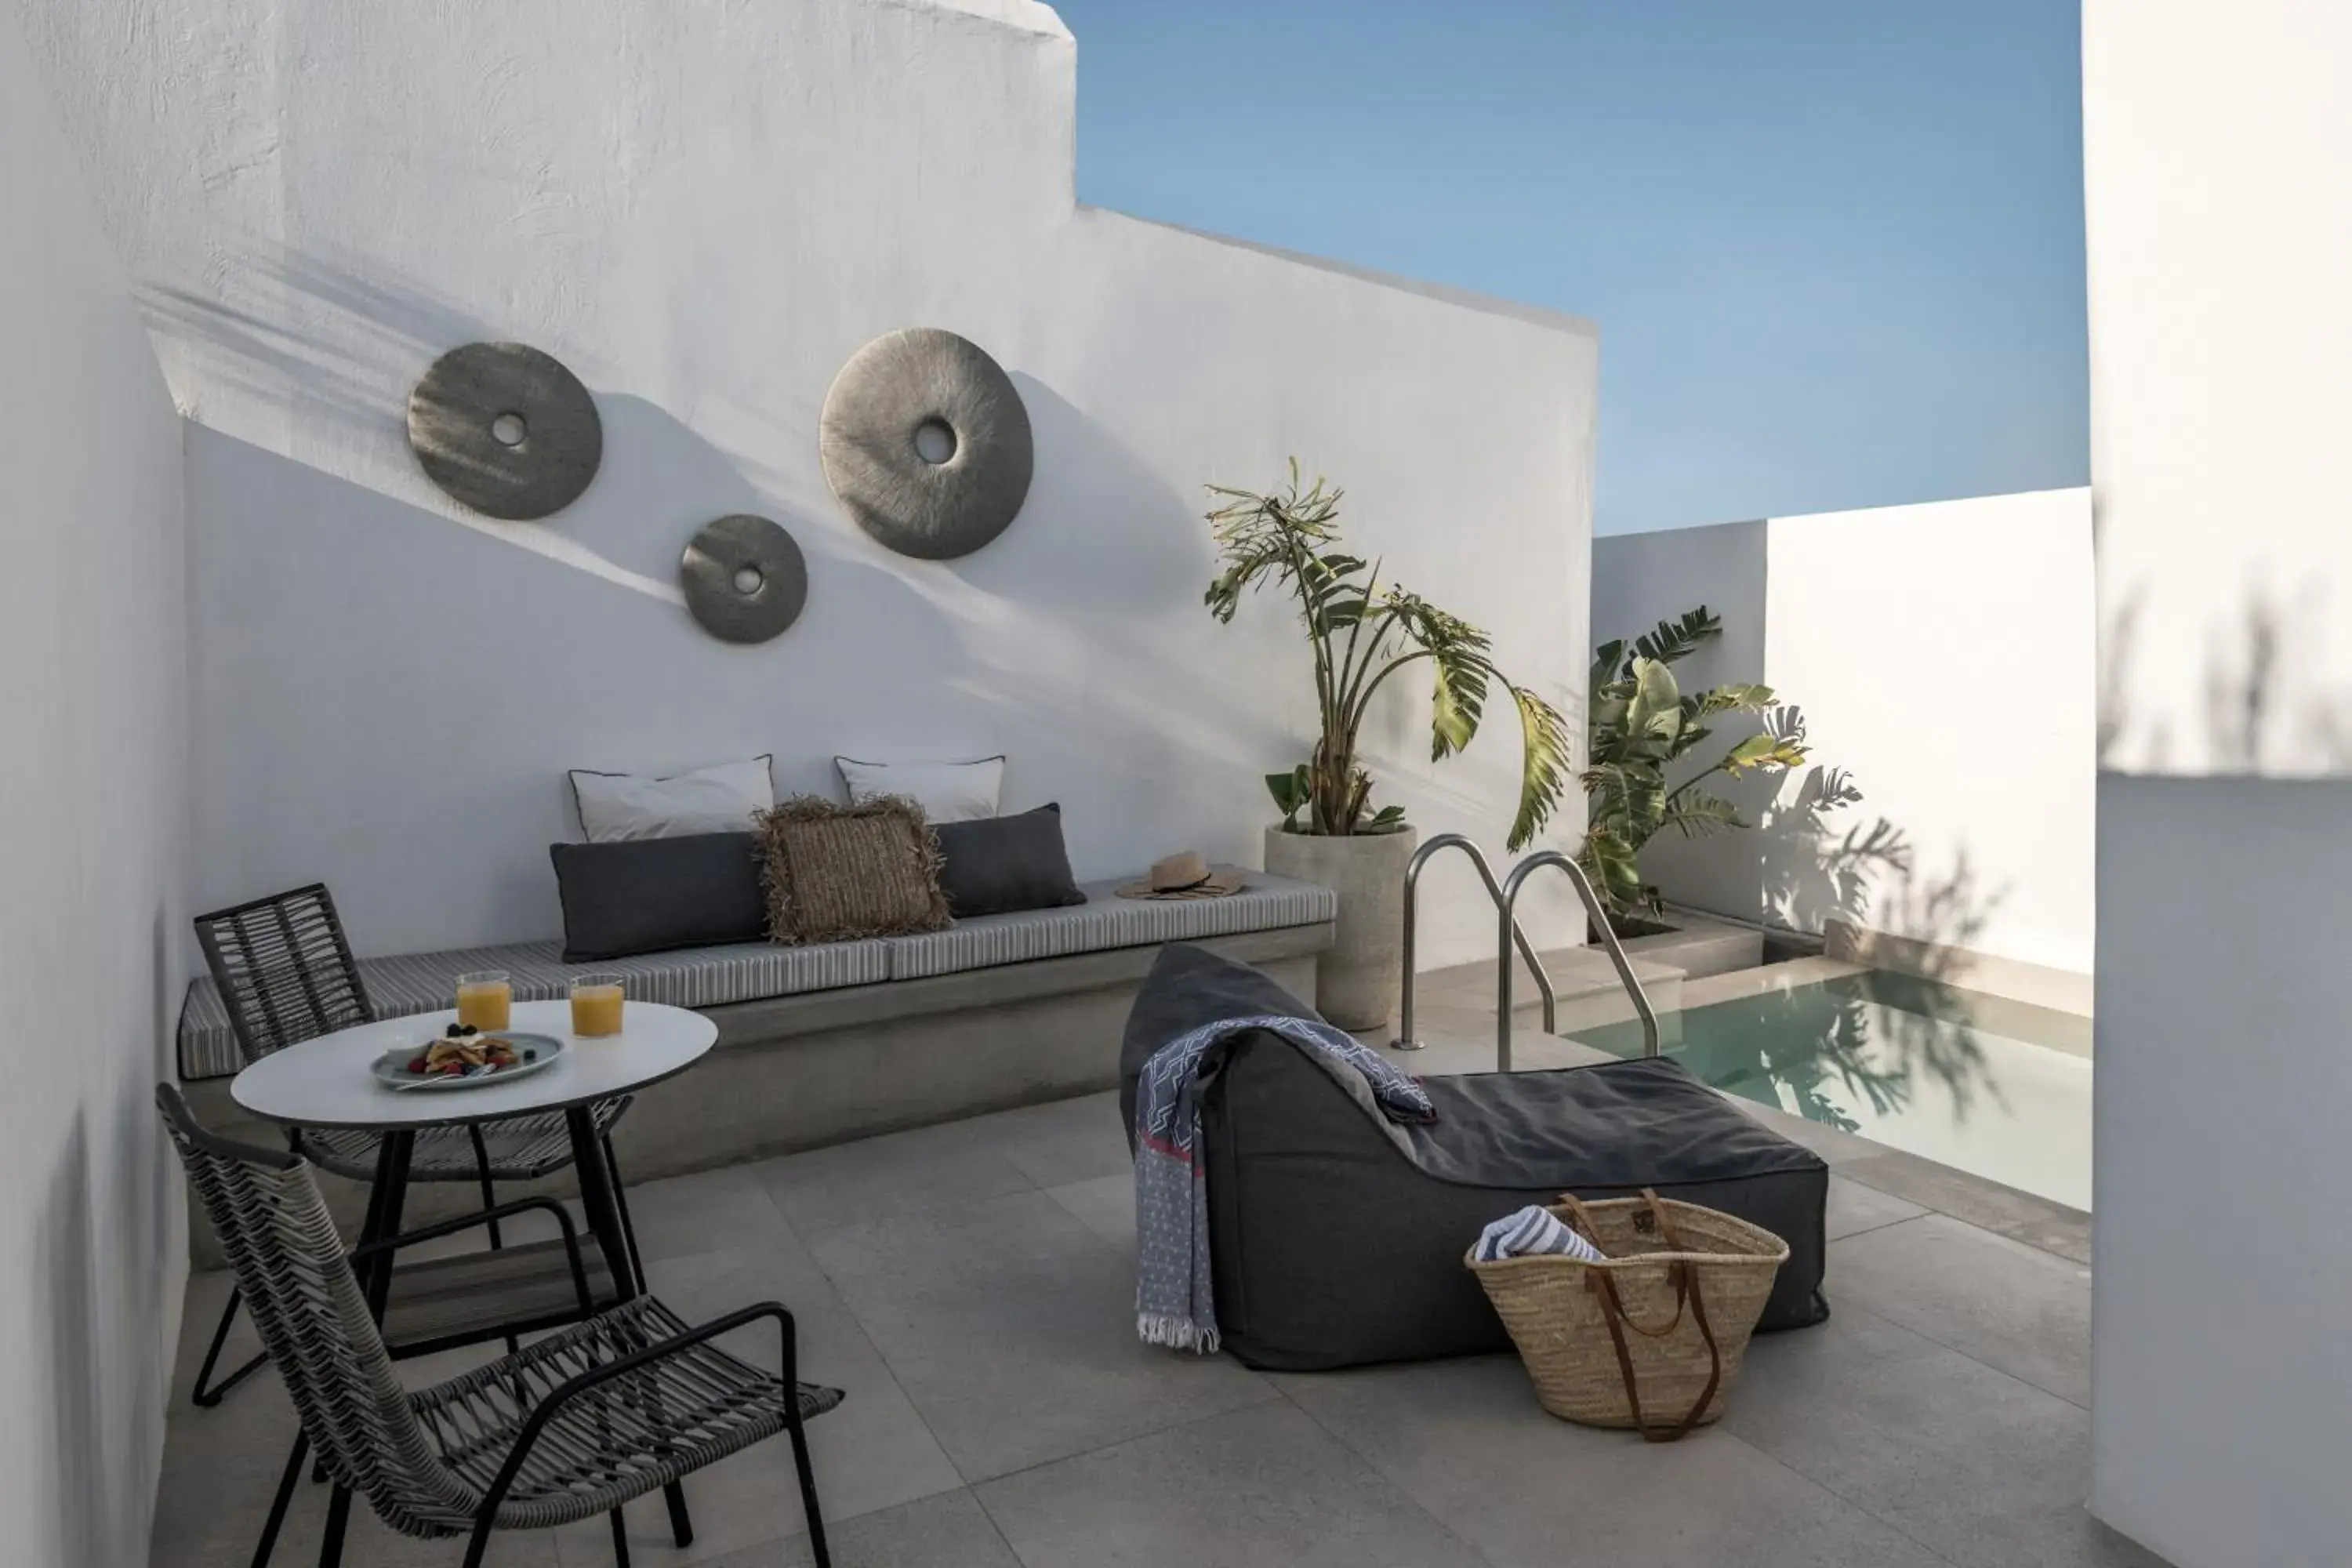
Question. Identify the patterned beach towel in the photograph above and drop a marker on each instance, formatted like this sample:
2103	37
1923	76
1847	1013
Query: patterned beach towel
1175	1301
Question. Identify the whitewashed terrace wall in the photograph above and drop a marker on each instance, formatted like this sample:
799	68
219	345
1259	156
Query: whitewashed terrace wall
2219	230
1943	656
94	839
704	209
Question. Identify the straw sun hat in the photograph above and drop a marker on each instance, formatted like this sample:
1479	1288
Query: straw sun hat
1185	874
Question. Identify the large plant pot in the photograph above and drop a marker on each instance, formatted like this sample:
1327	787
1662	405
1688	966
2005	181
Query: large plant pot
1356	981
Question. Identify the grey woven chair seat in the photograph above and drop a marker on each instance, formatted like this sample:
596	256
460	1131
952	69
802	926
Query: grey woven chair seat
520	1148
612	1444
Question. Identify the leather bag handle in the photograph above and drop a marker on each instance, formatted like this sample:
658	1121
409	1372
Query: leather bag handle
1687	1297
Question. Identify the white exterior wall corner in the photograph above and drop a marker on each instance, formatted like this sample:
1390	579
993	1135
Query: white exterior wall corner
93	847
1941	655
1945	655
703	208
2220	235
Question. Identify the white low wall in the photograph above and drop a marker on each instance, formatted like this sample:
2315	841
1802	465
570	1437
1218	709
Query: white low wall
703	210
1942	655
94	837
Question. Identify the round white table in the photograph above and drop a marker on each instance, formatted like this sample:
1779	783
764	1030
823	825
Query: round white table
325	1082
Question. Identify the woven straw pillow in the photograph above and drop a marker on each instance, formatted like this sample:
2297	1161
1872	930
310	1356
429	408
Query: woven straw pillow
837	873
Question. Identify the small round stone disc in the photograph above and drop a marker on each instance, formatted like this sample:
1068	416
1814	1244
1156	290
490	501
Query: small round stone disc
745	579
506	430
925	441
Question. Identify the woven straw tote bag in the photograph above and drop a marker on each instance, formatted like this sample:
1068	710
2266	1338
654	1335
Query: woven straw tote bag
1652	1336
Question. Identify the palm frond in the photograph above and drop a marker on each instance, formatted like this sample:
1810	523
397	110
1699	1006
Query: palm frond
1671	640
1545	749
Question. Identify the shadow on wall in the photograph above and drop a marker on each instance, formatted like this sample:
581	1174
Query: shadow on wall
335	341
2261	707
1100	533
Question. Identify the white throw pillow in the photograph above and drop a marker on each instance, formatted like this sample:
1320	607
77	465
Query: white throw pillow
948	792
720	799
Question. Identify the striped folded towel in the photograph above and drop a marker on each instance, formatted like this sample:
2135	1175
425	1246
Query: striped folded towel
1532	1233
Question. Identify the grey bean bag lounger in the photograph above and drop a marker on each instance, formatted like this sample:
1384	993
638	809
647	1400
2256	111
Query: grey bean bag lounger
1337	1235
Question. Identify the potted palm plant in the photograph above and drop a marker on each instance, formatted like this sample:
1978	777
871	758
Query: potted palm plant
1361	631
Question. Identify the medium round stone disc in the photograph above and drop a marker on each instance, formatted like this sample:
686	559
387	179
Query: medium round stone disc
745	579
926	442
506	430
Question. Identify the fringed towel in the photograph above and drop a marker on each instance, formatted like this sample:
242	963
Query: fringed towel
1175	1299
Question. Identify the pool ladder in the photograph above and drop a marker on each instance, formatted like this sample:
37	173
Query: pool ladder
1509	937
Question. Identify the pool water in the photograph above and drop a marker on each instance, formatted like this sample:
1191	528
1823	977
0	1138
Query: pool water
1996	1088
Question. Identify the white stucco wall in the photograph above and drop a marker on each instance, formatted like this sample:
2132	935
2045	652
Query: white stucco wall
1942	656
2220	238
93	834
704	209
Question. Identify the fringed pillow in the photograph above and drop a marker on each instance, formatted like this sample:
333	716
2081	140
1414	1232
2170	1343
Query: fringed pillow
838	873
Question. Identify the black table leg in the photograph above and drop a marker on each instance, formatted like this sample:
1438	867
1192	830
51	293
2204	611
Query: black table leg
385	1201
604	1211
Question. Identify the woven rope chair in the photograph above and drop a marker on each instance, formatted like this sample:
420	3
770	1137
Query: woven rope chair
286	975
578	1424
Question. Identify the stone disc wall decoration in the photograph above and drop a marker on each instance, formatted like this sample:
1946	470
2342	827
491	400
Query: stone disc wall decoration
745	578
925	441
506	430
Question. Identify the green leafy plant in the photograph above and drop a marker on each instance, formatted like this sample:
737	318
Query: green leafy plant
1641	724
1360	632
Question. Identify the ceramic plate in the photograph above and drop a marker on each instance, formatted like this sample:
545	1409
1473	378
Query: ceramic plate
391	1069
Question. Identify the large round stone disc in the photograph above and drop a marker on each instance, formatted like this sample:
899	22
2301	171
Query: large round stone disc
506	430
925	441
744	577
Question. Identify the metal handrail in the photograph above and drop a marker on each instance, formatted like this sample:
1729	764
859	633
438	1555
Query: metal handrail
1421	856
1509	901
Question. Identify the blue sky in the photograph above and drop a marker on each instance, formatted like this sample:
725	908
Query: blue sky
1835	246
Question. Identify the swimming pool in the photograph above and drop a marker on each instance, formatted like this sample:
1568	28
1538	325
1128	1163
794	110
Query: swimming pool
1999	1088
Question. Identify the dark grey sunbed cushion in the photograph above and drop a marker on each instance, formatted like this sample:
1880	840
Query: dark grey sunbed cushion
1000	865
1337	1236
657	895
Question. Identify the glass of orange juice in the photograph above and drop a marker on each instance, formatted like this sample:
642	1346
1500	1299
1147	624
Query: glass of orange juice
484	998
596	1005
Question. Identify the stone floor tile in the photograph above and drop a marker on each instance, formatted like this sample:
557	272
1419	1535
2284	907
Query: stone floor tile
2000	1301
1984	1470
1062	1141
1466	1440
1261	1487
680	1215
1855	1208
1105	1205
1012	1326
1988	1205
898	1173
949	1530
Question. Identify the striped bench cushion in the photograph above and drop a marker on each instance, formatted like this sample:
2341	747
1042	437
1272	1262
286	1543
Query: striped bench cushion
1106	921
713	976
422	983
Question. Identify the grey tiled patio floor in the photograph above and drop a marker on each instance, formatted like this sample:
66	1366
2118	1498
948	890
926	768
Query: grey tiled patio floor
972	1287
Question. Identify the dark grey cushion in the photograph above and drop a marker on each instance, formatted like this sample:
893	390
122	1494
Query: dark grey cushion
999	865
652	895
1286	1148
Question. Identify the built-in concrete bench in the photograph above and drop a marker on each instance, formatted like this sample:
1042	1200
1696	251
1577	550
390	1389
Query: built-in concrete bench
821	1044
